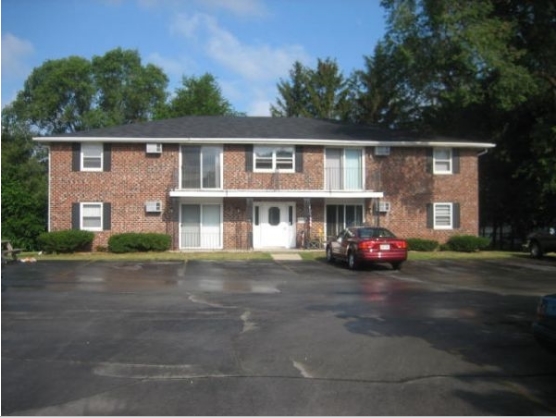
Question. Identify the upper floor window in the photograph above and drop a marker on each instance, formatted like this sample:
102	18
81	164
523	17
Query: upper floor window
269	159
201	167
442	160
91	157
344	169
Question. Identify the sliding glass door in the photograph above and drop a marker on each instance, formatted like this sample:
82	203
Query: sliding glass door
201	226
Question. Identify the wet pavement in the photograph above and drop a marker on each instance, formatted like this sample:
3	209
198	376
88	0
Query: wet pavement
277	337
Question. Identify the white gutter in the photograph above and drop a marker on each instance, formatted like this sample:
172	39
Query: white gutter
270	141
278	193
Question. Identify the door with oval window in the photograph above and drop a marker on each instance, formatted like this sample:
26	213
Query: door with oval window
273	225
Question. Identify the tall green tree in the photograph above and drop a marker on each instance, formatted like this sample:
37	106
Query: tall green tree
294	94
74	94
57	96
24	184
378	94
328	91
484	68
322	92
126	90
455	53
198	96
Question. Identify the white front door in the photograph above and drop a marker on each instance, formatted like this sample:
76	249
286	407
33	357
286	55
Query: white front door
274	225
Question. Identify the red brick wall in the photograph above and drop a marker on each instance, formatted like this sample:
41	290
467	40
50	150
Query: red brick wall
235	176
136	177
409	188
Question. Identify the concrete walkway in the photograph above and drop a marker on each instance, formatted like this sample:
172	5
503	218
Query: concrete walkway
285	256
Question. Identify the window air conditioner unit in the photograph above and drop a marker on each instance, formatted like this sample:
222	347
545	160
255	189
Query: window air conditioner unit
153	206
382	151
154	148
383	207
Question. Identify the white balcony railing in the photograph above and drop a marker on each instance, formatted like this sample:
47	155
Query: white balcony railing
333	179
204	240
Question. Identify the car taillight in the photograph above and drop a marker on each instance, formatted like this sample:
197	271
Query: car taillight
401	244
365	245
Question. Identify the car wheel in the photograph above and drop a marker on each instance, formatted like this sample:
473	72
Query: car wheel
397	265
535	250
329	256
353	264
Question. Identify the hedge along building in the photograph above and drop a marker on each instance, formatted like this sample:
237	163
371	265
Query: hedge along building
217	182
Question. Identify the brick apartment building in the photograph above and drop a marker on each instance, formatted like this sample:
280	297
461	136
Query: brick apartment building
215	182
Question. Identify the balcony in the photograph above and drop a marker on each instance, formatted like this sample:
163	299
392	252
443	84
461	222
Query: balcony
343	179
310	183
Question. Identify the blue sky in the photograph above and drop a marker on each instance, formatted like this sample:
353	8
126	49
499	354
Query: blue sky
248	45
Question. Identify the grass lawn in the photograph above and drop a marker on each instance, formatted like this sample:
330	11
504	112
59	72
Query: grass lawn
252	255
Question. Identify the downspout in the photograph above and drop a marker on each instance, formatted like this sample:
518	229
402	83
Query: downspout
480	154
49	188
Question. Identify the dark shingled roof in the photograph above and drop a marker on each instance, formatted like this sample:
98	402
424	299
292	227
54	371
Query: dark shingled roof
251	127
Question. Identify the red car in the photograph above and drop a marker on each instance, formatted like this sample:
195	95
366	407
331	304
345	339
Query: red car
361	244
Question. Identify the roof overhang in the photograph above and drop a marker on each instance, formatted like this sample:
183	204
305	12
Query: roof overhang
272	141
278	194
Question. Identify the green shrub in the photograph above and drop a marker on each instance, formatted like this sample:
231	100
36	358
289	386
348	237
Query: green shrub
131	242
67	241
419	244
467	243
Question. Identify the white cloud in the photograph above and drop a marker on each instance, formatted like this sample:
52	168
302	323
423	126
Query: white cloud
239	8
171	66
186	26
259	108
251	69
14	53
244	8
254	62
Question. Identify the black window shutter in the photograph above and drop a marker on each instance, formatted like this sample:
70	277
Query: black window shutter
106	216
430	215
107	157
456	216
248	158
75	221
76	157
429	168
455	161
299	159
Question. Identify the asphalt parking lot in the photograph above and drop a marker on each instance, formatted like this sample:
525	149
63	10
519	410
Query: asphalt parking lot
275	338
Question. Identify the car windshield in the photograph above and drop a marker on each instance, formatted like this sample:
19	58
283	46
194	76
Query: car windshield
375	233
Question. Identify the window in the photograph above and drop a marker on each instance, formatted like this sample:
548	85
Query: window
201	168
91	157
91	216
442	160
269	159
339	217
344	169
201	226
444	215
274	216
